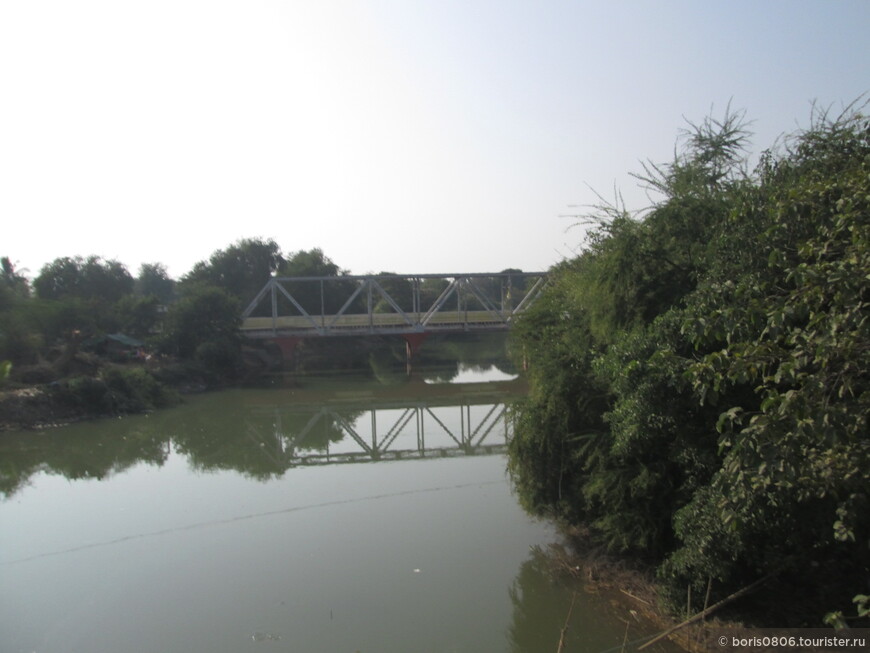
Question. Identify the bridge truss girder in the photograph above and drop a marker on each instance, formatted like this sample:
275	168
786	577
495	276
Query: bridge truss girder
486	433
517	292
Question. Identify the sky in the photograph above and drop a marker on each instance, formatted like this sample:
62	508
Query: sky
408	136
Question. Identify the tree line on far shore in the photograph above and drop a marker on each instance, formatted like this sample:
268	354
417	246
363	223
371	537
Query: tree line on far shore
195	318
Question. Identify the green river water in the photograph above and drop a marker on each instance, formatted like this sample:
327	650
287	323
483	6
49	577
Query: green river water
326	513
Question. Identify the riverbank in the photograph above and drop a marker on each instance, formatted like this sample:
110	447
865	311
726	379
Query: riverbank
84	385
639	601
630	591
82	398
97	388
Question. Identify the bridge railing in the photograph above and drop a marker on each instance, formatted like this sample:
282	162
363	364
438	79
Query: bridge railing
347	305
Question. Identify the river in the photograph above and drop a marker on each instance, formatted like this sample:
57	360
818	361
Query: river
319	513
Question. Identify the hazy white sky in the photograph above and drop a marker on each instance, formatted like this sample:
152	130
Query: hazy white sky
402	135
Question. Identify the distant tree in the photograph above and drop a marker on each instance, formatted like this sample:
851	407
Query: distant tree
310	263
137	315
12	280
400	289
19	341
313	263
241	269
154	280
430	290
105	280
91	278
60	278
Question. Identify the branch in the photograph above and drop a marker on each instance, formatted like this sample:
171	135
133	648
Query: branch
712	608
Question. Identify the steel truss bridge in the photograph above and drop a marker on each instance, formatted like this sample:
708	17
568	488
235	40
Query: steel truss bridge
406	305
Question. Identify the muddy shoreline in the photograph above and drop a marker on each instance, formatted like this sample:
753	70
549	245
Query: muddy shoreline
635	597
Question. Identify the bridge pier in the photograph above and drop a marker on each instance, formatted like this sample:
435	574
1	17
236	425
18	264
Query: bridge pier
287	345
413	342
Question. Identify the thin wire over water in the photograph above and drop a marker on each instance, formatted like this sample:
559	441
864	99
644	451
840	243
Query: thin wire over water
241	518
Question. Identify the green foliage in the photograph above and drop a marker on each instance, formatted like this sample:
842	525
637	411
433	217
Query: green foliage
133	389
728	332
31	326
86	392
154	280
90	278
560	426
76	294
204	326
61	277
78	298
137	316
313	263
795	468
399	289
241	269
118	390
655	459
13	285
310	263
19	339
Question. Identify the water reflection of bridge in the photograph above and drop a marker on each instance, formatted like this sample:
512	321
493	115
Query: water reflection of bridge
334	427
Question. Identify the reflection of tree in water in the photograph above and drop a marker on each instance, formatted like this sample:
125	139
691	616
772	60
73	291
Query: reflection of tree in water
80	451
259	443
216	435
542	596
441	358
383	358
388	365
540	606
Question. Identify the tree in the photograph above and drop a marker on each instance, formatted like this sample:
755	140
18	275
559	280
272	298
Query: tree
241	269
60	278
314	263
76	297
107	281
310	263
15	340
136	315
204	326
91	278
12	281
400	289
154	280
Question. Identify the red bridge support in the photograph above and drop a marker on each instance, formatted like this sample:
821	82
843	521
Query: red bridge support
287	345
413	342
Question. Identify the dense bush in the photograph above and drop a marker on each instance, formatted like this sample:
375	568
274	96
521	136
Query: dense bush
700	376
118	390
203	326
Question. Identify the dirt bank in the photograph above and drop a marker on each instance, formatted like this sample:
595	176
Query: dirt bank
35	408
632	593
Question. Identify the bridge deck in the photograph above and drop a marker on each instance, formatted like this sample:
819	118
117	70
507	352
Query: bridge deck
363	323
